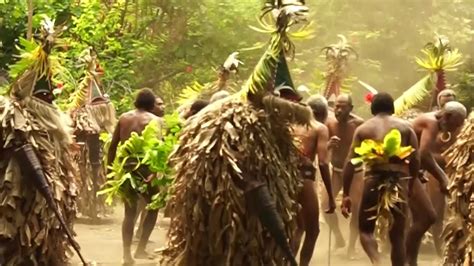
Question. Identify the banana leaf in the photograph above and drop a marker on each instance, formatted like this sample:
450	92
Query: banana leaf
414	95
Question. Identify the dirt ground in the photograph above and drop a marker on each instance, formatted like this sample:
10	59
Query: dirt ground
102	242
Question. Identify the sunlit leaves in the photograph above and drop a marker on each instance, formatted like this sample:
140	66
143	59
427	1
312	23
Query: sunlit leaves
373	152
147	150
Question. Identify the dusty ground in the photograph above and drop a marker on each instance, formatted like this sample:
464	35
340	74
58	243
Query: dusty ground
102	243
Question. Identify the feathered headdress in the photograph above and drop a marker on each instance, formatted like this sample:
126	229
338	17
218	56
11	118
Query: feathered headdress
38	70
272	69
89	100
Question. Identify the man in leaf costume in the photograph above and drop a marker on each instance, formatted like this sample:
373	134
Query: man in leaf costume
236	180
92	114
435	132
341	131
133	172
36	174
459	229
386	147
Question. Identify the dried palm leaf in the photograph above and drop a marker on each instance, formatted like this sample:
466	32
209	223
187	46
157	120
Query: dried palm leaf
460	169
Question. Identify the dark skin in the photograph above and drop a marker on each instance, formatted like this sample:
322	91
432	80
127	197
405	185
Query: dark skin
313	142
342	125
429	127
133	121
159	109
376	128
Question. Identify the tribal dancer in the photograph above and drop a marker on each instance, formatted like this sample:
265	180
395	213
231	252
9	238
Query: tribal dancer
341	131
386	144
459	229
429	127
131	124
92	114
36	176
313	141
237	180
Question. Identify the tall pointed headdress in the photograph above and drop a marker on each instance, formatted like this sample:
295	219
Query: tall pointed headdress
37	70
99	110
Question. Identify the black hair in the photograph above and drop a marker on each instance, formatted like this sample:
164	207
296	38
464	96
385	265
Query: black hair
198	105
145	100
382	103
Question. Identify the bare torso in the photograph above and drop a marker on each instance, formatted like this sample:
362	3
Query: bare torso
345	132
135	121
377	127
428	121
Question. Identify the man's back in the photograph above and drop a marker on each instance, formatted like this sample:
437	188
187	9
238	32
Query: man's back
377	127
134	121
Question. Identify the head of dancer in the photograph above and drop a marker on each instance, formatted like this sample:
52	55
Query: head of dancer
219	95
319	105
343	107
159	109
145	100
445	96
451	116
197	106
382	103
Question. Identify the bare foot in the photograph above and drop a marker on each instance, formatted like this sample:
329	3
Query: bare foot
142	254
340	243
128	260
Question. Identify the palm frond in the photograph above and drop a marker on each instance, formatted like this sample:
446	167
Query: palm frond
439	56
414	95
282	17
190	93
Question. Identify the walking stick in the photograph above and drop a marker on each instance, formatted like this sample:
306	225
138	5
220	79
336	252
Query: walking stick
329	248
31	169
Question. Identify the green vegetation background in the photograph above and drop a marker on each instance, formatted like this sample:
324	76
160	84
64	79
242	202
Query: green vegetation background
168	44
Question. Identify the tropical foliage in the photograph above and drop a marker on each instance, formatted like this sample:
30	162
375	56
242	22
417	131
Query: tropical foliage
141	163
168	45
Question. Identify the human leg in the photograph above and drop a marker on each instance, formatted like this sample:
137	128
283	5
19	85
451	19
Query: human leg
366	224
438	200
148	226
332	218
356	195
423	216
311	221
128	224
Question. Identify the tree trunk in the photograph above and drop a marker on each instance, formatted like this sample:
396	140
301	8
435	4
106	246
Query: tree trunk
29	32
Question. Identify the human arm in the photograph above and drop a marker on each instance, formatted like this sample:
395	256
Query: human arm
427	142
323	164
348	175
113	144
414	165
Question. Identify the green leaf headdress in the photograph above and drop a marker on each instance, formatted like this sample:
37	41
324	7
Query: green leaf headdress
37	70
277	17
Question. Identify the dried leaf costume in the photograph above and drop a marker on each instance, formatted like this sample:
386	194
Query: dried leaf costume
236	180
92	114
34	156
459	229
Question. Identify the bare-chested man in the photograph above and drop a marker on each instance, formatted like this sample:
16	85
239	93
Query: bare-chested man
341	130
398	170
313	141
134	121
159	111
429	128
